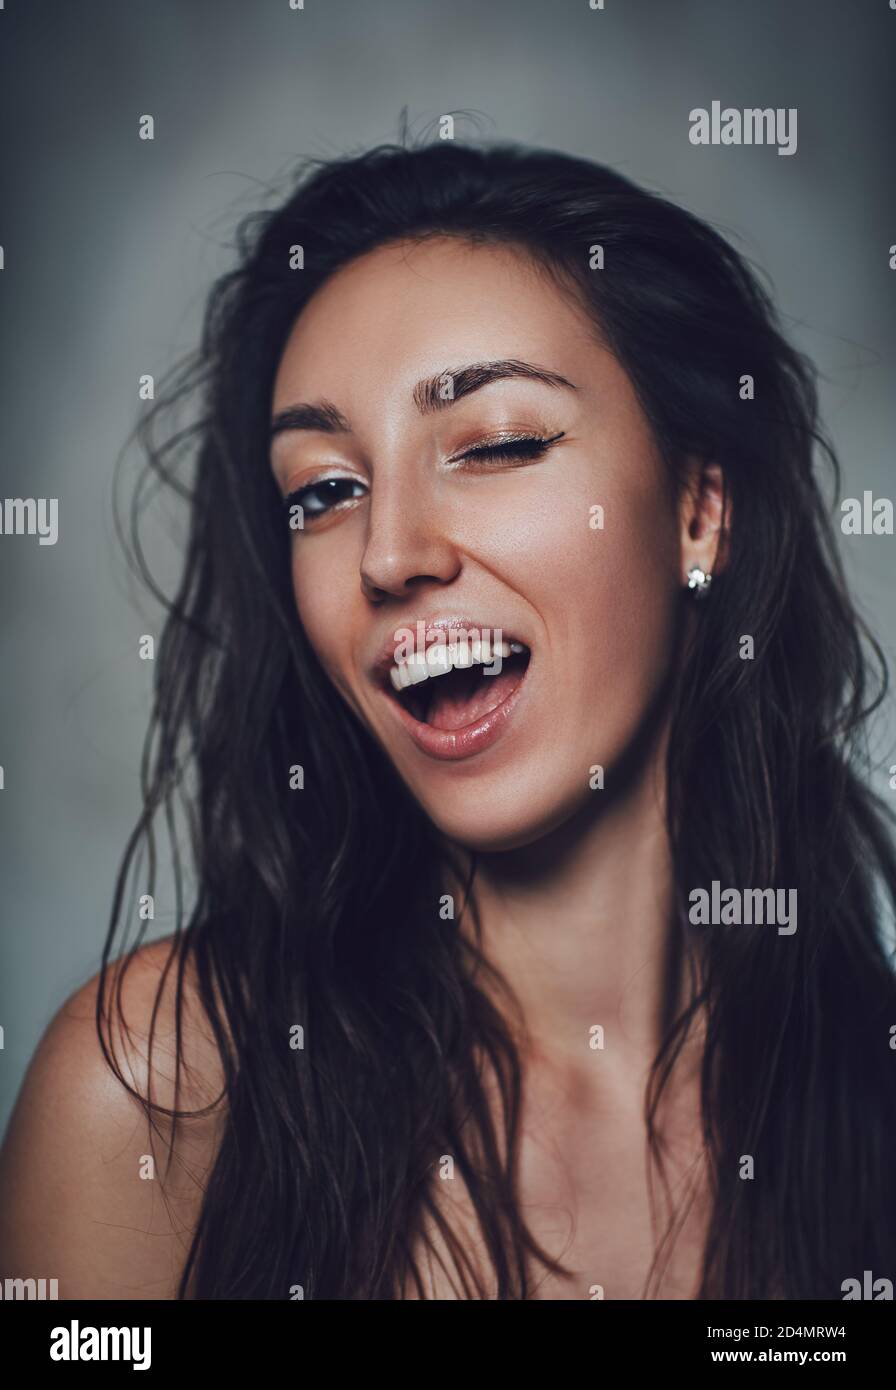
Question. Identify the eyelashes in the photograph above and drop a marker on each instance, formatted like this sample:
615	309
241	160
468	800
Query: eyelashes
320	497
509	449
326	494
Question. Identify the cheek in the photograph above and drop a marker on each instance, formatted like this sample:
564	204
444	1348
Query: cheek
607	596
325	589
621	613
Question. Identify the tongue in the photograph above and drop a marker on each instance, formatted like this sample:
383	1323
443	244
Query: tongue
462	697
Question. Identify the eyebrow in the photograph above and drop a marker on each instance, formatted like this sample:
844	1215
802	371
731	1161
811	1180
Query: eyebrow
323	417
429	395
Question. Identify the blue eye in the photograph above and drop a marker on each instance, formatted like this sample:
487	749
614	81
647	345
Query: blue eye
317	498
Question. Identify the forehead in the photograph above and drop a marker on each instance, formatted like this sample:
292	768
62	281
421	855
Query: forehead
411	308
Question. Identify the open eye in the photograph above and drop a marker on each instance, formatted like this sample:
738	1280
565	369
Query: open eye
322	496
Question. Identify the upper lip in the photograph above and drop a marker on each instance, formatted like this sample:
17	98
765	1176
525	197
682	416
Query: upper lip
385	657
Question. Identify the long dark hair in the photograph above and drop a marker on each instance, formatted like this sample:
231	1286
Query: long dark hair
318	907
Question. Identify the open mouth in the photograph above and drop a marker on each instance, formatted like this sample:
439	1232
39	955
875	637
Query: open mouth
456	688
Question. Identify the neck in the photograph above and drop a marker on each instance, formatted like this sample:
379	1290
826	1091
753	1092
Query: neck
579	926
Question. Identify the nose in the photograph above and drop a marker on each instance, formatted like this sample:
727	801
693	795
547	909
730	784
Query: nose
406	543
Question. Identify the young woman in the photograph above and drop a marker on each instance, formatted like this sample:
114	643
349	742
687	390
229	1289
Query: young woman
549	967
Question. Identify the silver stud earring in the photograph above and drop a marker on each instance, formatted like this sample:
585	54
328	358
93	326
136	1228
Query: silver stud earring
699	581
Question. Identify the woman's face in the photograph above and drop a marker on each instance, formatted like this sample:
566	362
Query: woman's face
423	504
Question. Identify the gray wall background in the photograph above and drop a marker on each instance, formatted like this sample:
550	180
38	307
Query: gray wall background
111	244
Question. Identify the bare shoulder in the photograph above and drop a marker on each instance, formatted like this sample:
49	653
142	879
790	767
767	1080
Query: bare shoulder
90	1194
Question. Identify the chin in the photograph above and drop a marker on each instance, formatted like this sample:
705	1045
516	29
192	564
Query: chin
504	822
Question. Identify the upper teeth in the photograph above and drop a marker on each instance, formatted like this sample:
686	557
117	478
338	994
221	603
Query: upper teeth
438	660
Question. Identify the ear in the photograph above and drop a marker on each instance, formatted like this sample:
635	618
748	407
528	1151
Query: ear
704	514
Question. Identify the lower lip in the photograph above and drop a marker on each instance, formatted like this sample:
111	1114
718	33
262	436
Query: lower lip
450	745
